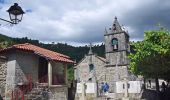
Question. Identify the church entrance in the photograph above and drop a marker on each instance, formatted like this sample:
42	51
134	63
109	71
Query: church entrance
43	70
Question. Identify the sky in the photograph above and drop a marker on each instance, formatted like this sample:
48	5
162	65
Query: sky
79	22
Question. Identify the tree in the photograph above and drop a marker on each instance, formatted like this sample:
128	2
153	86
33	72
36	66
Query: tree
151	56
70	72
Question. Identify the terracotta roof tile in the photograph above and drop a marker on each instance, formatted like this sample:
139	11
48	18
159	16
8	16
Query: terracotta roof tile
41	51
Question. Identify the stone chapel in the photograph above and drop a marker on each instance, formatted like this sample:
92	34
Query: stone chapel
112	68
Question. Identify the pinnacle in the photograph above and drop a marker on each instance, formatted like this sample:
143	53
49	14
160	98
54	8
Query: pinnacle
116	26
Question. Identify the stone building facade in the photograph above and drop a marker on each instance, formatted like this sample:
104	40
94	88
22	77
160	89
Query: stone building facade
90	68
112	68
116	51
30	71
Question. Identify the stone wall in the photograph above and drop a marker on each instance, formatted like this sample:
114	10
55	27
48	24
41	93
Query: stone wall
26	64
19	66
10	77
82	71
122	41
3	71
58	93
114	74
119	56
103	73
88	96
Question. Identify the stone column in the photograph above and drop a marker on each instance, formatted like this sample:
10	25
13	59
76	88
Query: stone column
126	96
96	88
126	89
83	91
10	78
49	73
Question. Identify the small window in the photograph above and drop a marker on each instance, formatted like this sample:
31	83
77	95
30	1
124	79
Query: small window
91	67
114	27
90	79
115	44
128	85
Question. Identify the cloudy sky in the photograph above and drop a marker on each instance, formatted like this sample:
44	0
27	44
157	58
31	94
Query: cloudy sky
78	22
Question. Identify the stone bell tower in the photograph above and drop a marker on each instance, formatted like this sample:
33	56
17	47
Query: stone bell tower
116	45
116	50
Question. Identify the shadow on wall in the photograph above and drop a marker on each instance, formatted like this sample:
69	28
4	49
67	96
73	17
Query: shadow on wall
166	95
154	95
72	90
151	95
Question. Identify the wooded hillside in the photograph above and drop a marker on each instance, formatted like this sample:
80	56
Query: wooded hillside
76	53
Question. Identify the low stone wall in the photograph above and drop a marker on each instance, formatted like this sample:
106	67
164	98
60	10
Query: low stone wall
88	96
58	93
3	67
130	95
110	96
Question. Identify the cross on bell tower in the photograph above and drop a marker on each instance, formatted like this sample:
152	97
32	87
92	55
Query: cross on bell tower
90	50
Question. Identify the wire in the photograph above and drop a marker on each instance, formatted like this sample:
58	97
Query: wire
5	25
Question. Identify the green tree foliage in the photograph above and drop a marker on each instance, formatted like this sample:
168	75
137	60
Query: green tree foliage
5	41
151	57
70	73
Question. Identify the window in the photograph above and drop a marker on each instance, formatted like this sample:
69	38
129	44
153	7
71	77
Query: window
91	67
90	79
114	27
128	86
115	44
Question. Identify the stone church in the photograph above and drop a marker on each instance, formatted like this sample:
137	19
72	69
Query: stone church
112	68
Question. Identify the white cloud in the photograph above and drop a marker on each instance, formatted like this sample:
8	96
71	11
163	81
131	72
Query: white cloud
74	21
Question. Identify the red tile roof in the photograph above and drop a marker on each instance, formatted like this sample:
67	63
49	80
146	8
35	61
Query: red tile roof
40	51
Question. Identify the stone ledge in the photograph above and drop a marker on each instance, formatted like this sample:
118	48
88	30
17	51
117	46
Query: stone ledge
53	86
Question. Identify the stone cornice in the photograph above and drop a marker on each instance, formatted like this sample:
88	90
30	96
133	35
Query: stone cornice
116	33
116	51
109	65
